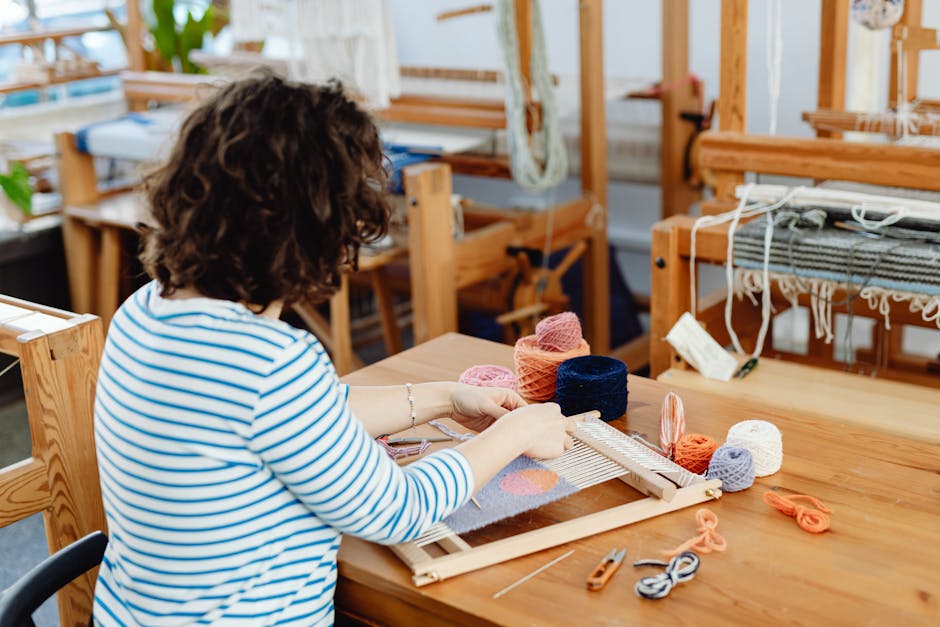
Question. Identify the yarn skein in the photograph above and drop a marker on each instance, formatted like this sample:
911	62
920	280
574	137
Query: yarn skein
671	423
694	451
592	382
488	376
763	440
559	333
537	367
734	466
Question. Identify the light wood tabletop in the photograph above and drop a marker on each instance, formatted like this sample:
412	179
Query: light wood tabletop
877	565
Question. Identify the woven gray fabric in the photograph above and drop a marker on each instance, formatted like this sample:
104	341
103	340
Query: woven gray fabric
842	256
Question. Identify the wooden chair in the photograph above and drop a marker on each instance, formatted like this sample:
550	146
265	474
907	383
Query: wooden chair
59	354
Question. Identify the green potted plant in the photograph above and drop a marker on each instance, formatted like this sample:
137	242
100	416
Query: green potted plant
17	197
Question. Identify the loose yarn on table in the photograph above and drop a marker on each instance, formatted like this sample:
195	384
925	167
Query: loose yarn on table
671	423
561	332
396	452
488	376
694	451
680	569
734	466
537	364
763	440
592	382
708	538
809	519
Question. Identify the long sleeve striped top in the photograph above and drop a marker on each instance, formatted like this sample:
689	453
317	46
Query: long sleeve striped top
231	465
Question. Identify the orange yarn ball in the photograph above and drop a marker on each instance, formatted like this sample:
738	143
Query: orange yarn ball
694	451
537	369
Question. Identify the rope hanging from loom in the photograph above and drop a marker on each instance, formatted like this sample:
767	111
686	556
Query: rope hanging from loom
809	519
592	382
525	170
708	538
877	14
680	569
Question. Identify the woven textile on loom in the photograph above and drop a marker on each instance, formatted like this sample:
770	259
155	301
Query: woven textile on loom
843	256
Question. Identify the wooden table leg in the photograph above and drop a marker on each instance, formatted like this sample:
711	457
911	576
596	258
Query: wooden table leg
81	254
339	328
109	274
386	306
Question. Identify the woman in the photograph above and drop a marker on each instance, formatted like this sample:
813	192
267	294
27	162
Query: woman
231	458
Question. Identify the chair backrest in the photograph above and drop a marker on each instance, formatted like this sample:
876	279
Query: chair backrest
22	599
59	355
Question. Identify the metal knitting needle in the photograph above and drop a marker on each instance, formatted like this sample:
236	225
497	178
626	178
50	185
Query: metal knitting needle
531	575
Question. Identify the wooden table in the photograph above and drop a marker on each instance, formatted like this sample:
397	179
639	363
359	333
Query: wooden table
877	565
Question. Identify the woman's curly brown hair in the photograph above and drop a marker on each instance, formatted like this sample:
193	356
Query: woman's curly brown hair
271	187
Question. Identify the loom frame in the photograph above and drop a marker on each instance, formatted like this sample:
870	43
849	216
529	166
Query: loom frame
726	155
662	497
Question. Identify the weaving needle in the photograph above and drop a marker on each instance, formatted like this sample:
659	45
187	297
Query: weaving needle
474	500
532	574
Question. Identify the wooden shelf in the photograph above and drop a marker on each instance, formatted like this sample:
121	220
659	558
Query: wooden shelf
9	88
35	37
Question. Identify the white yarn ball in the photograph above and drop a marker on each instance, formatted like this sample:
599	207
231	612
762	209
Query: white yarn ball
763	440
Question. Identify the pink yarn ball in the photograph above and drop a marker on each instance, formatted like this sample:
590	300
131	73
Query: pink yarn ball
559	333
490	377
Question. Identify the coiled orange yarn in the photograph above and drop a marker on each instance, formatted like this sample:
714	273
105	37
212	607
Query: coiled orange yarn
537	369
809	519
693	452
707	540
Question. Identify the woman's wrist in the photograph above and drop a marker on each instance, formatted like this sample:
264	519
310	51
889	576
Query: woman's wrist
432	400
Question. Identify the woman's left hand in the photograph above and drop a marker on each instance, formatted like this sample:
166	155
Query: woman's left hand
476	408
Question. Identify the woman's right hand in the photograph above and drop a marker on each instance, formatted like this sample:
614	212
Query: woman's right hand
542	430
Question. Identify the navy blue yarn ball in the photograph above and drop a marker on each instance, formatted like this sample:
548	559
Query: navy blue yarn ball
592	382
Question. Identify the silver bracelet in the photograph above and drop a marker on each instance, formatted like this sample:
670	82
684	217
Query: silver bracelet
411	403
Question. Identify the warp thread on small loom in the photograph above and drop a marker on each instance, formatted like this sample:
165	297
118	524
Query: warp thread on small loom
537	365
708	538
809	519
592	382
694	451
488	376
734	466
763	440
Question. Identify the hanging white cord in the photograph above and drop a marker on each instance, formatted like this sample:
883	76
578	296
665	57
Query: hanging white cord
525	170
774	58
741	211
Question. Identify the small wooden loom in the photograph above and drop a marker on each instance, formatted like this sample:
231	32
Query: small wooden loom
601	453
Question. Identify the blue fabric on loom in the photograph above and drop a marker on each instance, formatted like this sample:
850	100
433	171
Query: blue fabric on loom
81	135
496	505
401	157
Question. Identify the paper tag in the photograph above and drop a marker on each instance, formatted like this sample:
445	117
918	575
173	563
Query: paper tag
701	350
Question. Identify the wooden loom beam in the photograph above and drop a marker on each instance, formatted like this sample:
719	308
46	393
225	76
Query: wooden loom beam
732	95
913	14
833	50
898	166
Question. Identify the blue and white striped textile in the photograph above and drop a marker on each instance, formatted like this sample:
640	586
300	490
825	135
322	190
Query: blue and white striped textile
231	465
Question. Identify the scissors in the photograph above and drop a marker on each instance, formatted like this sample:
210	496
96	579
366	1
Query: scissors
606	569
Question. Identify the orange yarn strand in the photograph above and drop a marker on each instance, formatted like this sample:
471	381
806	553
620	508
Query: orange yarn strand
809	519
707	540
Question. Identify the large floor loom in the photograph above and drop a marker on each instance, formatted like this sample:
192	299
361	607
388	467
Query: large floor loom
727	155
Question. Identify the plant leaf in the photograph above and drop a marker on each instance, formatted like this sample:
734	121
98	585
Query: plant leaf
17	188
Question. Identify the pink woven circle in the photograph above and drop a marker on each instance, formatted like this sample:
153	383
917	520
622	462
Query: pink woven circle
558	333
537	369
487	376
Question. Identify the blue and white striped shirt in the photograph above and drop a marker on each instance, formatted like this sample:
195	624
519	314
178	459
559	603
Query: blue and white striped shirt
231	464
